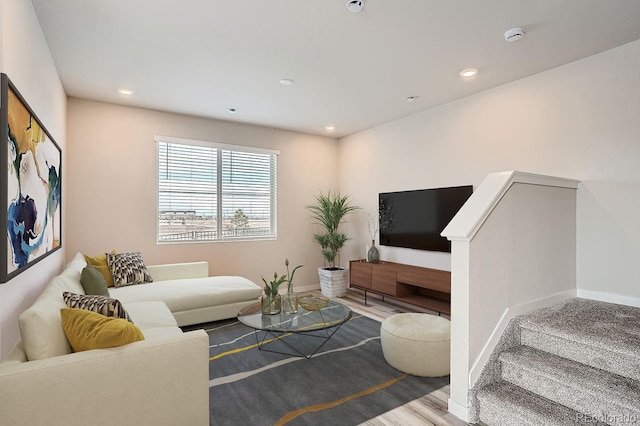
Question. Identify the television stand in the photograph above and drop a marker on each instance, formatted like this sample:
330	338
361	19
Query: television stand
415	285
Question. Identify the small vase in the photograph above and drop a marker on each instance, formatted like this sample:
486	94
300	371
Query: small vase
270	305
290	303
373	255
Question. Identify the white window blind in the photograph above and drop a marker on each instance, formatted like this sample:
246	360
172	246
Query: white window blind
209	192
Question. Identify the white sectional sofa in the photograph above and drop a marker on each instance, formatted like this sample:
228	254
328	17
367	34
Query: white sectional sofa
192	296
162	380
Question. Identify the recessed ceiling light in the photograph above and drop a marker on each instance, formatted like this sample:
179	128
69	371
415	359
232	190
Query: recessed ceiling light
286	82
469	73
329	128
125	92
411	98
232	110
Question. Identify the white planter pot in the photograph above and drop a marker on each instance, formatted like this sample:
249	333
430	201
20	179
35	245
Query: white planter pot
333	283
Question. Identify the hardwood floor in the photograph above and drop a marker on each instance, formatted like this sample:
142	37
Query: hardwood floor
431	409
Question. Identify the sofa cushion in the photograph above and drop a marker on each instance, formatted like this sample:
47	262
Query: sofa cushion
153	318
40	325
76	264
128	269
69	278
93	281
103	305
191	293
177	271
100	263
150	314
88	330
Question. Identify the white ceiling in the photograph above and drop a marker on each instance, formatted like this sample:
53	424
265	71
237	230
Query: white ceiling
351	70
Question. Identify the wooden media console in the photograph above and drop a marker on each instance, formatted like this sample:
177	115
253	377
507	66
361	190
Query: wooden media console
424	287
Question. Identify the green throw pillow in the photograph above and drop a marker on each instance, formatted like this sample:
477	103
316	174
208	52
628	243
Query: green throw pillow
93	282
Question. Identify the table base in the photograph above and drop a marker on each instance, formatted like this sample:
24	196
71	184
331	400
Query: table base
278	336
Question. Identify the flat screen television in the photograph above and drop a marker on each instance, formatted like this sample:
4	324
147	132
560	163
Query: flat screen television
415	219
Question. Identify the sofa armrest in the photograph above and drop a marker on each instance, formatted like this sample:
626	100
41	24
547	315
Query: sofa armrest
162	381
175	271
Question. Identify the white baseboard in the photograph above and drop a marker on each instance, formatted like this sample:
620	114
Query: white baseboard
458	410
609	297
510	313
304	288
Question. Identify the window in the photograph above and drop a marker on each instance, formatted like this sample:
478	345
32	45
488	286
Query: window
213	192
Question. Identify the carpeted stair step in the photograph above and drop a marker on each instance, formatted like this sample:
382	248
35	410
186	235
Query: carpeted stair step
504	404
589	390
599	334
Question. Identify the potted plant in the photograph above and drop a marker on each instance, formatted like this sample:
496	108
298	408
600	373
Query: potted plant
272	302
329	211
290	300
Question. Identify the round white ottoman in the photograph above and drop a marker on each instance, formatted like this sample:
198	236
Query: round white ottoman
418	344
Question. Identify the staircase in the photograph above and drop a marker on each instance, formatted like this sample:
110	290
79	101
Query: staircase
574	363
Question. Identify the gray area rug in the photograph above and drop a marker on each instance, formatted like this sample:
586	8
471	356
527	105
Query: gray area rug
347	382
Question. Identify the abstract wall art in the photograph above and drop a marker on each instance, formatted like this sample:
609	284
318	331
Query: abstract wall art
31	202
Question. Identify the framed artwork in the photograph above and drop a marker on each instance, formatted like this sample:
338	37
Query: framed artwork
31	197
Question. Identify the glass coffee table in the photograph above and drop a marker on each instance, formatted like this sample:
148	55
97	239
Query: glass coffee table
301	334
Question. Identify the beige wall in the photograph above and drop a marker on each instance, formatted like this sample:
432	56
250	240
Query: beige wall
25	58
111	179
577	121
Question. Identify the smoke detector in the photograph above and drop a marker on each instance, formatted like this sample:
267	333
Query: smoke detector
514	34
355	6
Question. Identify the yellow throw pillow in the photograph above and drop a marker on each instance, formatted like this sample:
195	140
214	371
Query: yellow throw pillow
100	263
87	330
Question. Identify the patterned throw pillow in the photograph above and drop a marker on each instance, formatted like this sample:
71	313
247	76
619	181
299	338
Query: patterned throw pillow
128	269
100	304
